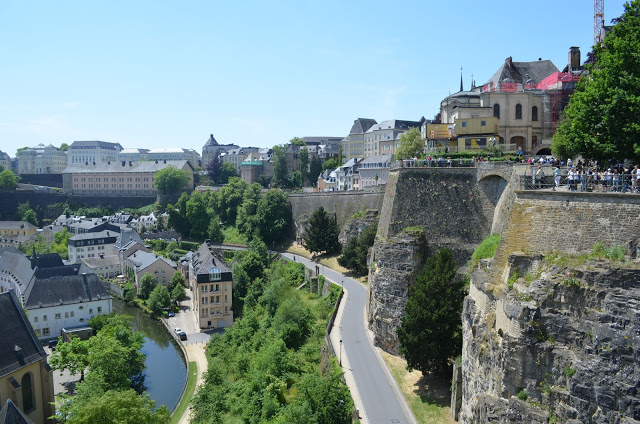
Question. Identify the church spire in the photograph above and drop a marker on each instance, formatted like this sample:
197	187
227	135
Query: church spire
461	85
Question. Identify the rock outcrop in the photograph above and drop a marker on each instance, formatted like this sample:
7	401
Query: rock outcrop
393	265
552	339
356	225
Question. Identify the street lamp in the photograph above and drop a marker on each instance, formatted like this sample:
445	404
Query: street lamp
340	358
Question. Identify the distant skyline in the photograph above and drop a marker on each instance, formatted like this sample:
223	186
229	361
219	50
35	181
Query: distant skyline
165	74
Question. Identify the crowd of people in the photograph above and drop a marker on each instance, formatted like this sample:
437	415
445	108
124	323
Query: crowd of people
585	175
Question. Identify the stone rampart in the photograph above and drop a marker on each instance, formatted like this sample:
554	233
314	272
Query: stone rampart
569	222
344	204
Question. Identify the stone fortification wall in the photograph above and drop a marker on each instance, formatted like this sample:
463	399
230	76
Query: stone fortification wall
393	265
356	225
567	341
543	221
343	204
448	204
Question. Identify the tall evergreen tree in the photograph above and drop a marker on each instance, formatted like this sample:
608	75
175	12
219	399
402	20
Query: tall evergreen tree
279	167
303	164
431	330
322	232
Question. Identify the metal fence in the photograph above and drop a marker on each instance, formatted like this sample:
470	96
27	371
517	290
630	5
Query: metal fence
433	163
620	183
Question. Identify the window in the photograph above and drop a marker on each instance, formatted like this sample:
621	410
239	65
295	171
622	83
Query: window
518	111
66	314
464	124
205	289
71	314
205	300
35	319
58	316
27	393
214	274
483	123
99	309
45	332
90	310
534	113
496	110
44	317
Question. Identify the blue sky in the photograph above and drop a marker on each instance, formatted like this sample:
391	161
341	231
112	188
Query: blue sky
167	74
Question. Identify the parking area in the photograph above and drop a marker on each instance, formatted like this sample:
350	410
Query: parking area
185	319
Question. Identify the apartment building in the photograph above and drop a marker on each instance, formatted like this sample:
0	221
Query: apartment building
42	160
92	152
211	281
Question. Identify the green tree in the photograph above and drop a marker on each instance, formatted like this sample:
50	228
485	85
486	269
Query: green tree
31	217
39	244
72	356
303	164
60	243
170	181
431	331
411	144
322	232
179	293
178	216
230	199
279	167
198	215
21	149
246	221
147	284
8	180
177	280
354	254
240	285
64	147
120	407
297	141
315	169
273	215
293	321
214	232
331	164
227	170
159	299
601	120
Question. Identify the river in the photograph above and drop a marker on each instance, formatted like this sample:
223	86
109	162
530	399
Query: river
165	372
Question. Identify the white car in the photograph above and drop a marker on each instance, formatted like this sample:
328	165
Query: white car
178	330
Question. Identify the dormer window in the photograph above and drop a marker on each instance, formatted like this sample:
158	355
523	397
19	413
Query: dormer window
214	274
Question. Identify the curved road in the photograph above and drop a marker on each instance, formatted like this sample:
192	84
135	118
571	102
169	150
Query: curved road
373	389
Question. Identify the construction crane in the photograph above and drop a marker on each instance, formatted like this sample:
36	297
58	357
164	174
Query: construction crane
598	20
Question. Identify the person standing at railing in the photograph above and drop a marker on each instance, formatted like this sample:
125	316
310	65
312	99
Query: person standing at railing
606	180
539	177
616	180
557	174
583	179
634	175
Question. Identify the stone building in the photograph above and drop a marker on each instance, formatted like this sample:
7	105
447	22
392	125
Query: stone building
173	154
211	281
26	380
42	160
526	100
91	245
5	161
212	150
383	130
374	170
92	152
353	144
236	156
118	178
141	263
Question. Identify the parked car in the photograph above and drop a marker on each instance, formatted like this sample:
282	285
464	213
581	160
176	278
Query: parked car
178	330
171	314
53	343
182	335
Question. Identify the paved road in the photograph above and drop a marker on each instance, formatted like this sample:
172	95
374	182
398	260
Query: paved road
375	392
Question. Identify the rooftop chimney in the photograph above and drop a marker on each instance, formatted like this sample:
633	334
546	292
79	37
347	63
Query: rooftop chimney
574	58
19	354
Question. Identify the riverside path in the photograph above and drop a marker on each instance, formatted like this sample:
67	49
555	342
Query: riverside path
374	391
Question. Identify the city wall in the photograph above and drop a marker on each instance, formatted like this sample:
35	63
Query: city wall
344	204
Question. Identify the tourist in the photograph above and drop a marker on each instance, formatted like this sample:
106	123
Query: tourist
539	177
557	173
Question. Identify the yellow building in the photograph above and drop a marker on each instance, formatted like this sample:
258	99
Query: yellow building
16	228
211	282
25	376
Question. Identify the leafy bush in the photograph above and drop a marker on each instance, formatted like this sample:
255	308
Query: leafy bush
189	245
522	395
486	249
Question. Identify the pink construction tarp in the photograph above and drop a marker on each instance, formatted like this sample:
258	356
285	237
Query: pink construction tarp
555	78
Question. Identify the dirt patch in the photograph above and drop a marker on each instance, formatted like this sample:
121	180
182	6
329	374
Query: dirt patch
428	397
